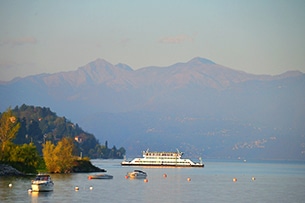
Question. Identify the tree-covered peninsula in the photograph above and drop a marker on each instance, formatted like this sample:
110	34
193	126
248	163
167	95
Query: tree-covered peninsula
35	137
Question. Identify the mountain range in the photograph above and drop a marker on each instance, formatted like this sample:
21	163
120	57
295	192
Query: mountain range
199	107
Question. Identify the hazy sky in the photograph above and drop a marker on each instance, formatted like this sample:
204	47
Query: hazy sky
256	36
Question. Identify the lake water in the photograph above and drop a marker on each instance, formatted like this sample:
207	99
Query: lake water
274	182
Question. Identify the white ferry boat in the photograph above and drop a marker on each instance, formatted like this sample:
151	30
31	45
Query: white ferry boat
170	159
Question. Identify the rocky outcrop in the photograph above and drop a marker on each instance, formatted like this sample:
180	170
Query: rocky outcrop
82	166
6	170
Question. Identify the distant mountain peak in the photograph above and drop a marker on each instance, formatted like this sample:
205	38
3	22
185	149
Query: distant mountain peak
124	66
293	73
100	62
201	60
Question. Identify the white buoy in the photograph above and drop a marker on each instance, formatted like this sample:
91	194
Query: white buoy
253	178
91	188
10	185
76	188
30	190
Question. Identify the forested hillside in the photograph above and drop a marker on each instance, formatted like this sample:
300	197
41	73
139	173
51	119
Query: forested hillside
40	124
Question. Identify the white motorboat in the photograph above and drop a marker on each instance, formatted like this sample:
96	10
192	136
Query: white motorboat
42	183
136	174
100	176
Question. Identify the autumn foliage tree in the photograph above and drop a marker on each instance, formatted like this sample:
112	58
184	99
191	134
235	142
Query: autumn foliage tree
8	130
48	151
59	158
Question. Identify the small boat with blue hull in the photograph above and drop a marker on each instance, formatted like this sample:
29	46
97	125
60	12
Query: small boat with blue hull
100	176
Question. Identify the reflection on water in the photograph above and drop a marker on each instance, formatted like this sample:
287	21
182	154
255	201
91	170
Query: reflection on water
36	196
40	194
274	182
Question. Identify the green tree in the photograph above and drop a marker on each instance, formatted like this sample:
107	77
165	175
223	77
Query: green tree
8	130
34	131
21	136
27	155
121	152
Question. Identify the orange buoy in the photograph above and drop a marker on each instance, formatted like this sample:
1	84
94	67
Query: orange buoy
89	177
189	179
234	179
164	175
145	180
126	177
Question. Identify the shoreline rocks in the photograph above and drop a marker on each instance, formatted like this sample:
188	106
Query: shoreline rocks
82	166
7	170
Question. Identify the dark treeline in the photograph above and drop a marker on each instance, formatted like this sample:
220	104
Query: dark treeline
39	125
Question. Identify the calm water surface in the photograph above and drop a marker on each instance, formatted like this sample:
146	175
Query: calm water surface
274	182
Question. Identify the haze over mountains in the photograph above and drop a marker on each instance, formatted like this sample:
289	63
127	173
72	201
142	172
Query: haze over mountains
199	107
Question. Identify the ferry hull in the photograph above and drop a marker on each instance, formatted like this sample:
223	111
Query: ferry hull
161	165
